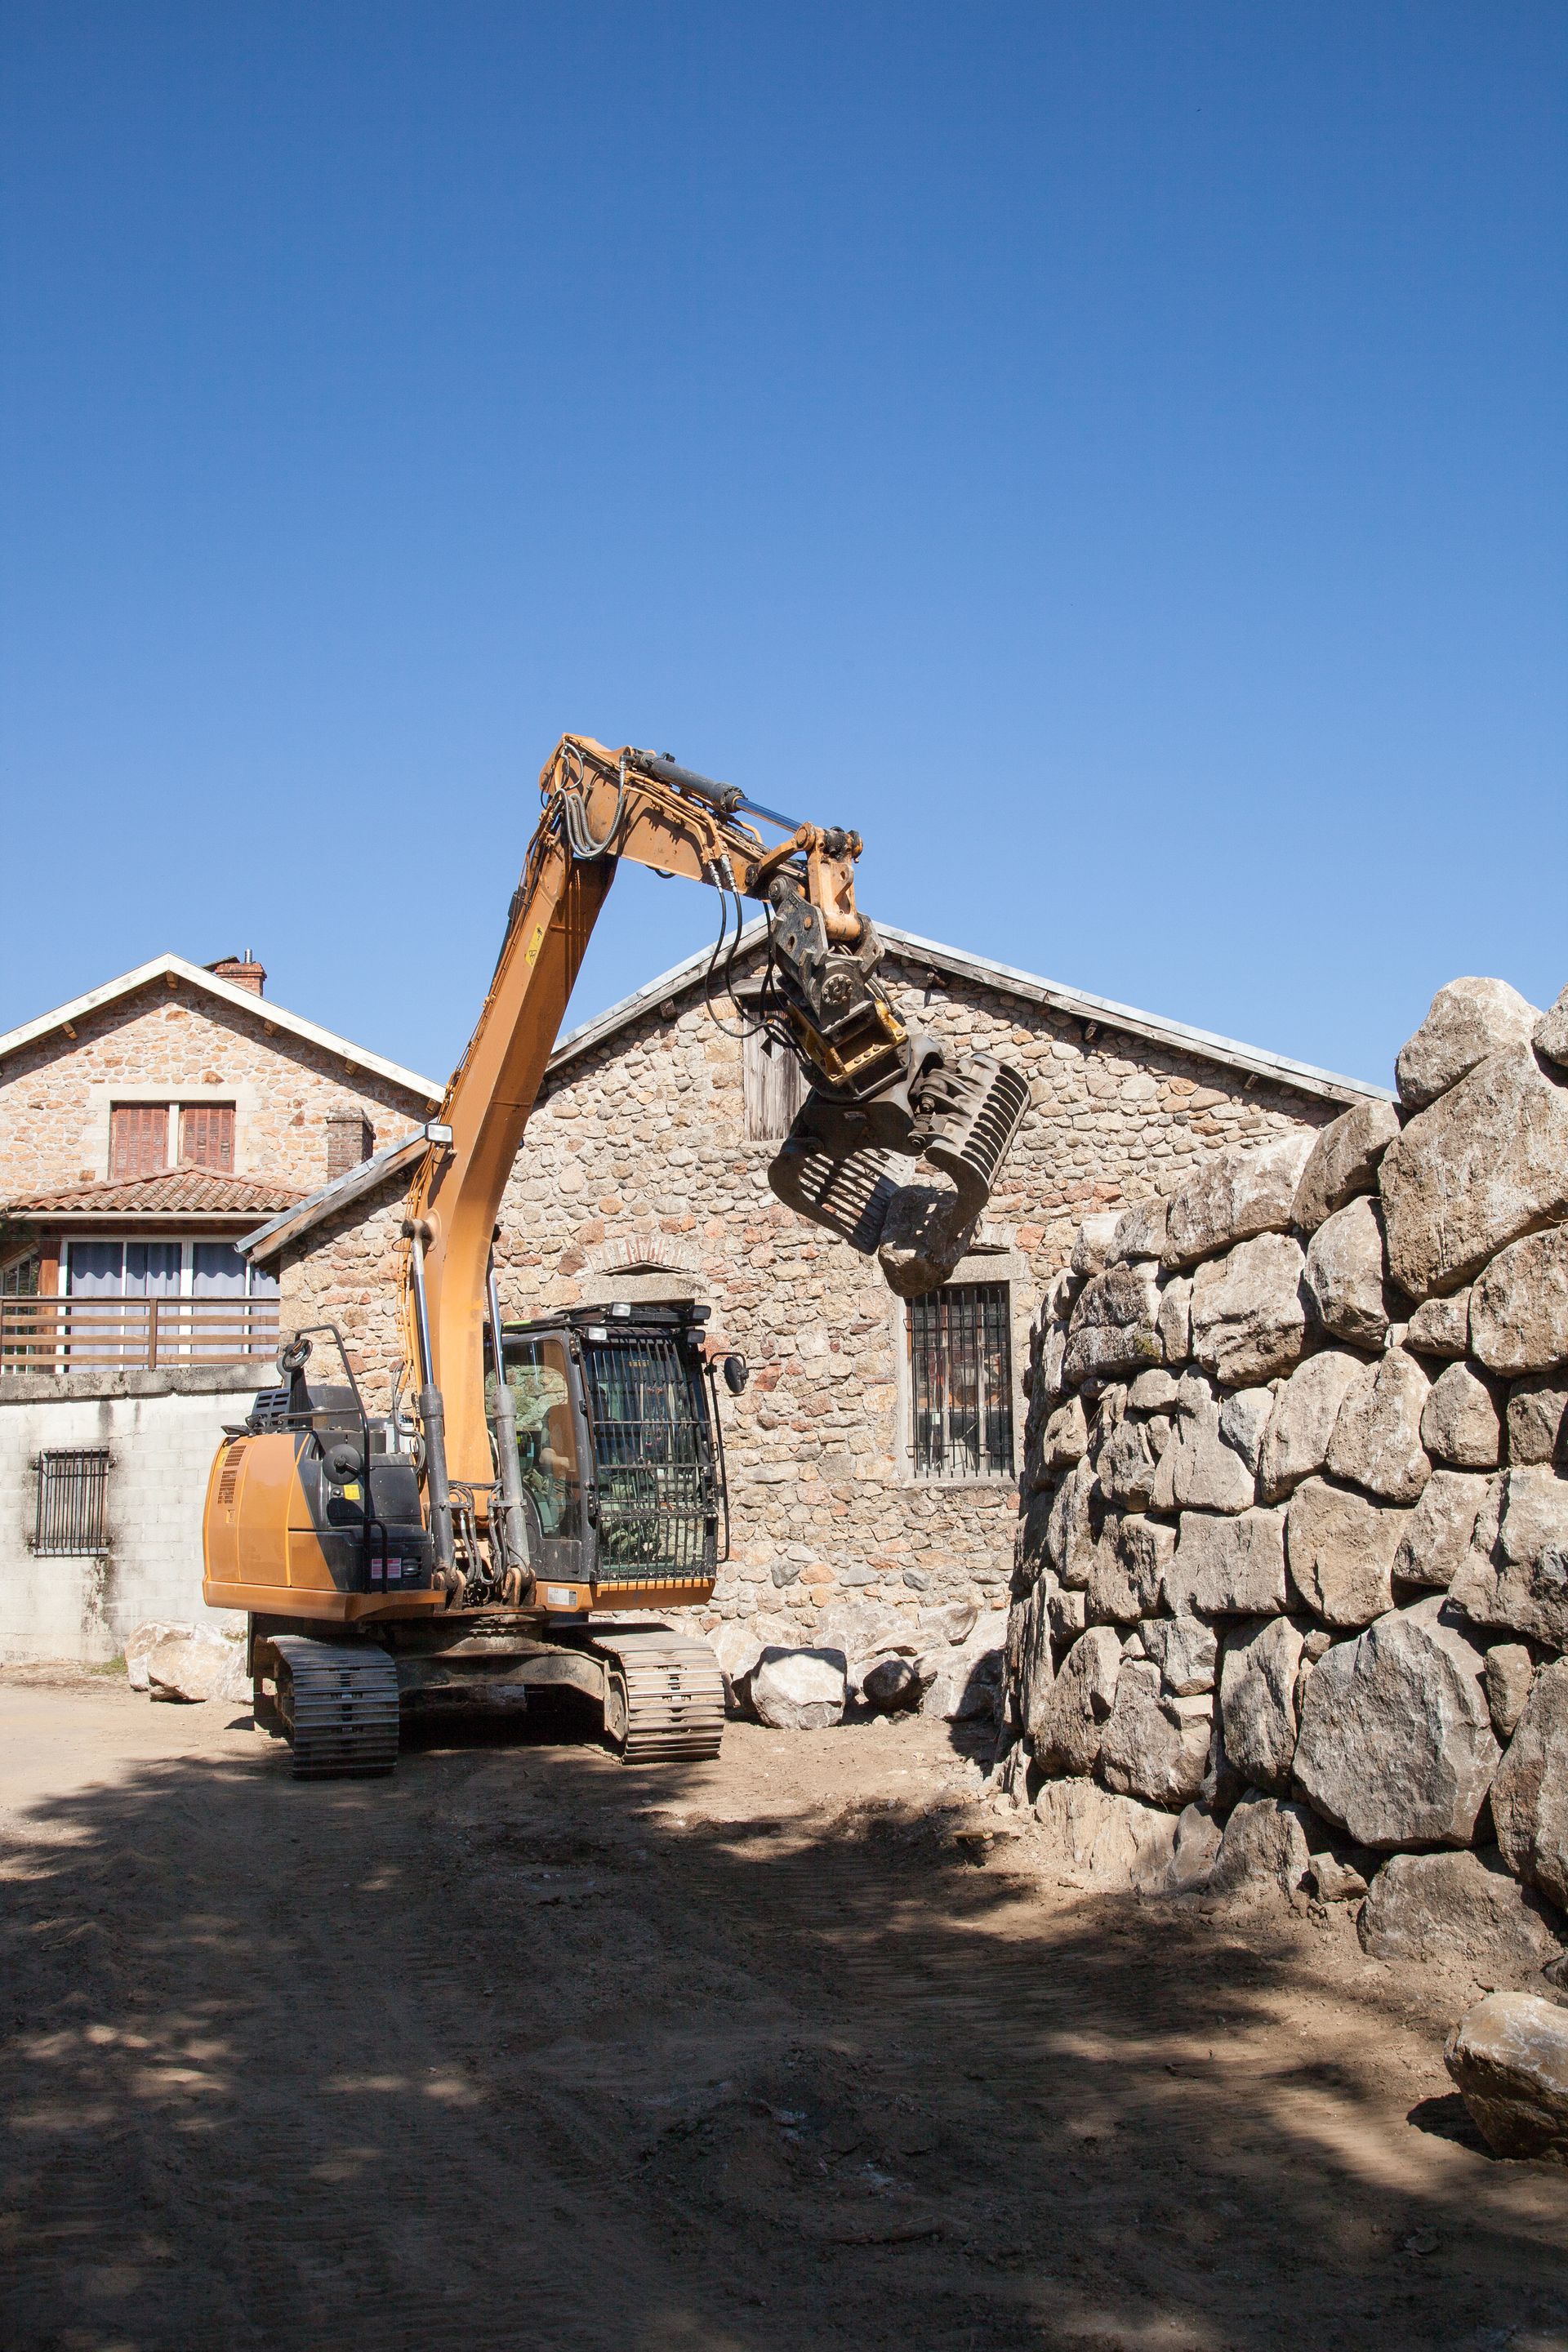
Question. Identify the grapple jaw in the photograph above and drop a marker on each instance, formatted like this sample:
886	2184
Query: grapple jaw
834	1166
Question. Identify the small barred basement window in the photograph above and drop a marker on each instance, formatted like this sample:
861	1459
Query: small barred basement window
960	1381
72	1494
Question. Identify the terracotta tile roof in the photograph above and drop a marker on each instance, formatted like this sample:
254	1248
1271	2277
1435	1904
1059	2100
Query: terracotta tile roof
168	1193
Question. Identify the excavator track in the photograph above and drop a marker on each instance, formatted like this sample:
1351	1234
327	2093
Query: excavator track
339	1704
664	1701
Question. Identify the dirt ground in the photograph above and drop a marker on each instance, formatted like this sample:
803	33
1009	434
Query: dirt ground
523	2050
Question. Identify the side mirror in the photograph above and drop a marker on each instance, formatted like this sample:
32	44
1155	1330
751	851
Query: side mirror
294	1357
737	1372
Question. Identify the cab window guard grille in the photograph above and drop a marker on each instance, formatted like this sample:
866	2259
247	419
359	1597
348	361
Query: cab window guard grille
658	1490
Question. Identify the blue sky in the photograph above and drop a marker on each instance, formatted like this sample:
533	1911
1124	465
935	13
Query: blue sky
1111	455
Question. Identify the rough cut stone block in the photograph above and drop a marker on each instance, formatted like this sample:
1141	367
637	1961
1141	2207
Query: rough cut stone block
1139	1233
191	1664
1185	1650
1343	1162
1306	1407
1518	1307
1073	1714
1128	1570
1198	1838
1510	2057
799	1690
1488	1163
1114	1325
1243	1419
1515	1573
1455	1907
1090	1251
1073	1530
1257	1697
1436	1533
1341	1549
1248	1314
1228	1567
1460	1424
1155	1392
1469	1020
1530	1795
1066	1436
1343	1280
1508	1674
1155	1747
1538	1420
963	1682
1115	1843
1441	1327
139	1646
1264	1852
740	1641
1396	1745
1068	1611
1241	1191
1550	1035
1376	1443
1175	1318
1125	1466
892	1687
1203	1472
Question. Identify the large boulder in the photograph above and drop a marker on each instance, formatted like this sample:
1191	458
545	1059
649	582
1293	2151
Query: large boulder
1518	1307
1306	1407
925	1232
1091	1246
191	1663
1376	1443
1530	1795
1199	1836
1115	1843
1455	1907
1114	1325
1435	1537
1538	1420
738	1644
1396	1745
140	1645
1460	1424
961	1681
1550	1035
1231	1566
1488	1163
1257	1699
1125	1465
1515	1573
865	1631
799	1690
1343	1279
1264	1852
1244	1191
893	1686
1073	1712
1341	1549
1509	2055
1248	1315
1343	1162
1139	1233
1468	1020
1065	1439
1155	1747
1185	1650
1199	1470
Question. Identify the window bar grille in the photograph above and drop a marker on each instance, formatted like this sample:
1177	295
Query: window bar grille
960	1380
72	1494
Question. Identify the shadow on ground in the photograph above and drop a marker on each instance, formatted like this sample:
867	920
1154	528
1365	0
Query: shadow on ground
521	2050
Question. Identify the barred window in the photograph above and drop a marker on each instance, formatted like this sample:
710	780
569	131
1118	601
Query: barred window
72	1493
960	1381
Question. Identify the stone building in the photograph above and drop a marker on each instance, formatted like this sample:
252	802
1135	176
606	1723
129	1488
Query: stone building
144	1128
873	1454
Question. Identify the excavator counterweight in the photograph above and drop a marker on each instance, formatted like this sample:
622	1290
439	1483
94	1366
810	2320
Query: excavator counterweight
553	1472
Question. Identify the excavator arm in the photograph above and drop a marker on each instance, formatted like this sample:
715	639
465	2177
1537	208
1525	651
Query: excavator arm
877	1089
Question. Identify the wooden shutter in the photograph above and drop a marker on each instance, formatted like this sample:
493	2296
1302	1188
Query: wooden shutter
138	1139
207	1136
772	1088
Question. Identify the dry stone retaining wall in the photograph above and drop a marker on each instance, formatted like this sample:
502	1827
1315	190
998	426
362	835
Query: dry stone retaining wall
1290	1601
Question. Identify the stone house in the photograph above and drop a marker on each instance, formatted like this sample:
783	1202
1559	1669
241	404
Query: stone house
144	1128
873	1454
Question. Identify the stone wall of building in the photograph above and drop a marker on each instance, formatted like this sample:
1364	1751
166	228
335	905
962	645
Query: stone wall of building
1292	1598
638	1179
161	1431
183	1045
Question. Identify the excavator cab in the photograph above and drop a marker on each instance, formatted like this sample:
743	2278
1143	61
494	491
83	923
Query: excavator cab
620	1456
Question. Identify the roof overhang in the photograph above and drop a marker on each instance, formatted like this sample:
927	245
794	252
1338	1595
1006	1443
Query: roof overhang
393	1160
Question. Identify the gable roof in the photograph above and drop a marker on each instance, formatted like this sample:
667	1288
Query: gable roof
167	1192
1098	1012
243	1000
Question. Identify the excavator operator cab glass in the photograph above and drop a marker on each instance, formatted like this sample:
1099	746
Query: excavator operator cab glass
538	1375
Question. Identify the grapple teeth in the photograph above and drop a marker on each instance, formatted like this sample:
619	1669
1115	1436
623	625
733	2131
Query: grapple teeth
982	1106
848	1193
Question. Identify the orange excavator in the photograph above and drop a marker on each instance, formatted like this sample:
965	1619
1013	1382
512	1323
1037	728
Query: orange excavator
558	1485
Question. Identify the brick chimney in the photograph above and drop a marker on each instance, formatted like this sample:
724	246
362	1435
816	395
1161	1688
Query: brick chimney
242	972
350	1140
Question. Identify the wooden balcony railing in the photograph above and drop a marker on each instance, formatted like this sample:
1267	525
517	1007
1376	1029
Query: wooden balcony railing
85	1335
